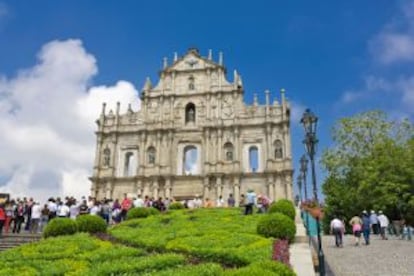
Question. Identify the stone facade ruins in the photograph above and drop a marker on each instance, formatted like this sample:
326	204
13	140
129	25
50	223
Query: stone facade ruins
195	136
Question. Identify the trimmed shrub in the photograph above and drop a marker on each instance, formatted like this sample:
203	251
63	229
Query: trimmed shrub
278	226
91	224
283	206
141	212
59	227
264	267
176	206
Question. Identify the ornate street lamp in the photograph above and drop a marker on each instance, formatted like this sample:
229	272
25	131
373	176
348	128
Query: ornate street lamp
299	182
304	171
309	122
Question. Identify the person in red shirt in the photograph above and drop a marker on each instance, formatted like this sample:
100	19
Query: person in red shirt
2	218
126	204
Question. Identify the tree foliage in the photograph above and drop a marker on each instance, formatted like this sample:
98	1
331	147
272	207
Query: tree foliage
370	166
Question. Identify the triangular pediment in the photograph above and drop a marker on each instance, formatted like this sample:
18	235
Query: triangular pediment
192	61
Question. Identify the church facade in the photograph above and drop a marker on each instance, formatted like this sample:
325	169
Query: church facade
194	136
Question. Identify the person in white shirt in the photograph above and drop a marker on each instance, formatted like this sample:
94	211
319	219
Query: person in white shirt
35	217
337	228
63	210
384	222
220	202
139	202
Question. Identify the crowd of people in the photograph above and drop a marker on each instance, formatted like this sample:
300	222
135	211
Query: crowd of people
29	215
367	224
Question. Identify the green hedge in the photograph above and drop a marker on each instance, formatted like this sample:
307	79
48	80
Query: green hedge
176	206
60	226
264	267
283	206
278	226
91	224
141	212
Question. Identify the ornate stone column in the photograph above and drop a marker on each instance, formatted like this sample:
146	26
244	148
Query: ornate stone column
220	146
167	188
146	188
288	183
219	187
155	188
108	189
286	138
139	187
279	192
271	188
158	147
206	188
236	187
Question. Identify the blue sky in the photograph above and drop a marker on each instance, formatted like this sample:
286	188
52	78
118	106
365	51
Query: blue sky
335	57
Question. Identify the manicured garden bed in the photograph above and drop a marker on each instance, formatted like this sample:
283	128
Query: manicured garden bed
180	242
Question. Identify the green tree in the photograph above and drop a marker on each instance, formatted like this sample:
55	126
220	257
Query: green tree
370	166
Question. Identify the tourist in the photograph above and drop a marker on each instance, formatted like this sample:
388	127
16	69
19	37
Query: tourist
9	215
374	222
19	217
264	202
356	223
384	222
407	231
106	210
73	209
208	203
198	203
250	202
242	201
28	212
366	226
337	229
44	217
83	208
230	201
63	210
220	202
96	208
126	204
52	208
36	214
139	202
2	218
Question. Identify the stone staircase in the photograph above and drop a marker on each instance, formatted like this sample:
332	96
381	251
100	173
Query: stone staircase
300	251
11	240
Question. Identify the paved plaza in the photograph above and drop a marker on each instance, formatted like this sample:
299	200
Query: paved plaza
391	257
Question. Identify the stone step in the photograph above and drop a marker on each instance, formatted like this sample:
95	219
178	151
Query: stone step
11	240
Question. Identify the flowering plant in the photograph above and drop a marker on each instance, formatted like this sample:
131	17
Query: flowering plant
281	251
313	207
310	203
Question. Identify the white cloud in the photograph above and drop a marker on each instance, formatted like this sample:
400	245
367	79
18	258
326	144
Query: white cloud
395	42
47	121
394	47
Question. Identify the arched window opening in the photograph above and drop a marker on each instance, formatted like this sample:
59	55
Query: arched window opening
106	157
253	158
190	113
190	160
129	164
228	151
278	147
191	85
151	155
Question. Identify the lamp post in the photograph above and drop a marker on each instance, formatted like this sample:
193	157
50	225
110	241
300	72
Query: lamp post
299	182
304	170
309	122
